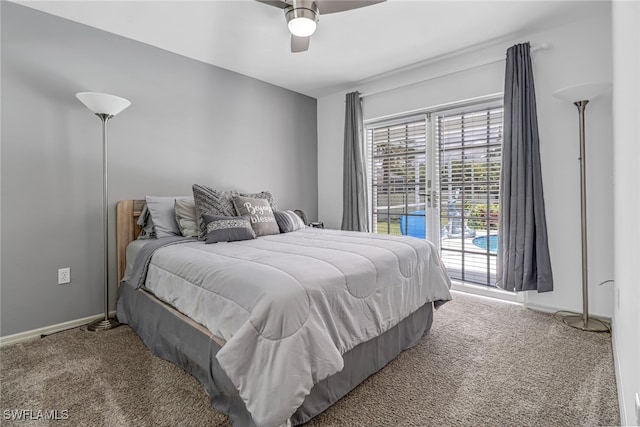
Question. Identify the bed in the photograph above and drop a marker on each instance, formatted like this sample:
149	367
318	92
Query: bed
279	328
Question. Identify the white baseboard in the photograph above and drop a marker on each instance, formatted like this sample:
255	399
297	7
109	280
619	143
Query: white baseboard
37	333
485	291
549	309
495	293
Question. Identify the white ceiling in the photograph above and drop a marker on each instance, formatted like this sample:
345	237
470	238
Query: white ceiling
252	38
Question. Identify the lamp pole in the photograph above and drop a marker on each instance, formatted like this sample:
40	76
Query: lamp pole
584	93
583	214
105	107
106	322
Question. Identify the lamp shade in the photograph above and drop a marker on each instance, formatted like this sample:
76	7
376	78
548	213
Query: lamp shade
102	103
302	26
302	17
582	92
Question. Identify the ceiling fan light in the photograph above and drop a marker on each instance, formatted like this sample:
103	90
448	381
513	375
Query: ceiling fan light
302	18
302	27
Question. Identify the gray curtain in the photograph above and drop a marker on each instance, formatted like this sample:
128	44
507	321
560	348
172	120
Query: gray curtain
355	209
523	250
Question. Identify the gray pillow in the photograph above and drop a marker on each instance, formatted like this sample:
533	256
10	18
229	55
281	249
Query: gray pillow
227	228
288	221
162	210
210	201
263	195
185	210
260	213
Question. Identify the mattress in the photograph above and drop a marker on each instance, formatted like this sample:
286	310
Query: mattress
289	306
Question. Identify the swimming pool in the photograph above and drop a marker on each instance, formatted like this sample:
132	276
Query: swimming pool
481	242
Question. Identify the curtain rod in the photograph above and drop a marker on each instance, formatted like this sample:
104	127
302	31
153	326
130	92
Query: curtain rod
455	71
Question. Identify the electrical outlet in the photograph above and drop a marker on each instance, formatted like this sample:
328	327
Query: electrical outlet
64	275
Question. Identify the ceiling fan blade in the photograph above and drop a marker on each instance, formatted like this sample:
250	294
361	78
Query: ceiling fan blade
335	6
277	3
299	44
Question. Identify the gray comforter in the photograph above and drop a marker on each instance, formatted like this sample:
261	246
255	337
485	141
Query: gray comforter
289	305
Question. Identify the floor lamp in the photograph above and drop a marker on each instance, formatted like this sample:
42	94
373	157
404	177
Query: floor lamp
580	96
105	107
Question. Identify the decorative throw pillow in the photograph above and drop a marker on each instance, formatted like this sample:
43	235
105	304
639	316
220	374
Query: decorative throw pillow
260	214
162	210
227	228
288	221
185	211
210	201
263	195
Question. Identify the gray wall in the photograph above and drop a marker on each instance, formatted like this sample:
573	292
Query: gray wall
188	123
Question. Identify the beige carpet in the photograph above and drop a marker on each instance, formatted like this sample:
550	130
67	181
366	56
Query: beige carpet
483	363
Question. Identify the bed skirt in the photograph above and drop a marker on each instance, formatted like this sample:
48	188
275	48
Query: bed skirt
173	336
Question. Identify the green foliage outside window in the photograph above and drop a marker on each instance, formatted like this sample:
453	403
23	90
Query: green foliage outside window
478	213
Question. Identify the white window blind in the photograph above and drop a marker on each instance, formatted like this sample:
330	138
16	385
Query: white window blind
470	146
398	154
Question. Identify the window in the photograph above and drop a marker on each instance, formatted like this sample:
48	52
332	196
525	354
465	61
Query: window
459	152
398	154
470	146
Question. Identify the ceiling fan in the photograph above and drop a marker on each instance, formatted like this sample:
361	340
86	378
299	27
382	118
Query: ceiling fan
302	16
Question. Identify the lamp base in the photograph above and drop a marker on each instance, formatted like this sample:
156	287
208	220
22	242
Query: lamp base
103	324
591	325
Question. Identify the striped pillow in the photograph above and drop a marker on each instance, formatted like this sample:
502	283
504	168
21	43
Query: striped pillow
288	221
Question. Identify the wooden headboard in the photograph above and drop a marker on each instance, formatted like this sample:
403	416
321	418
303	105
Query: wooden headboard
127	229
